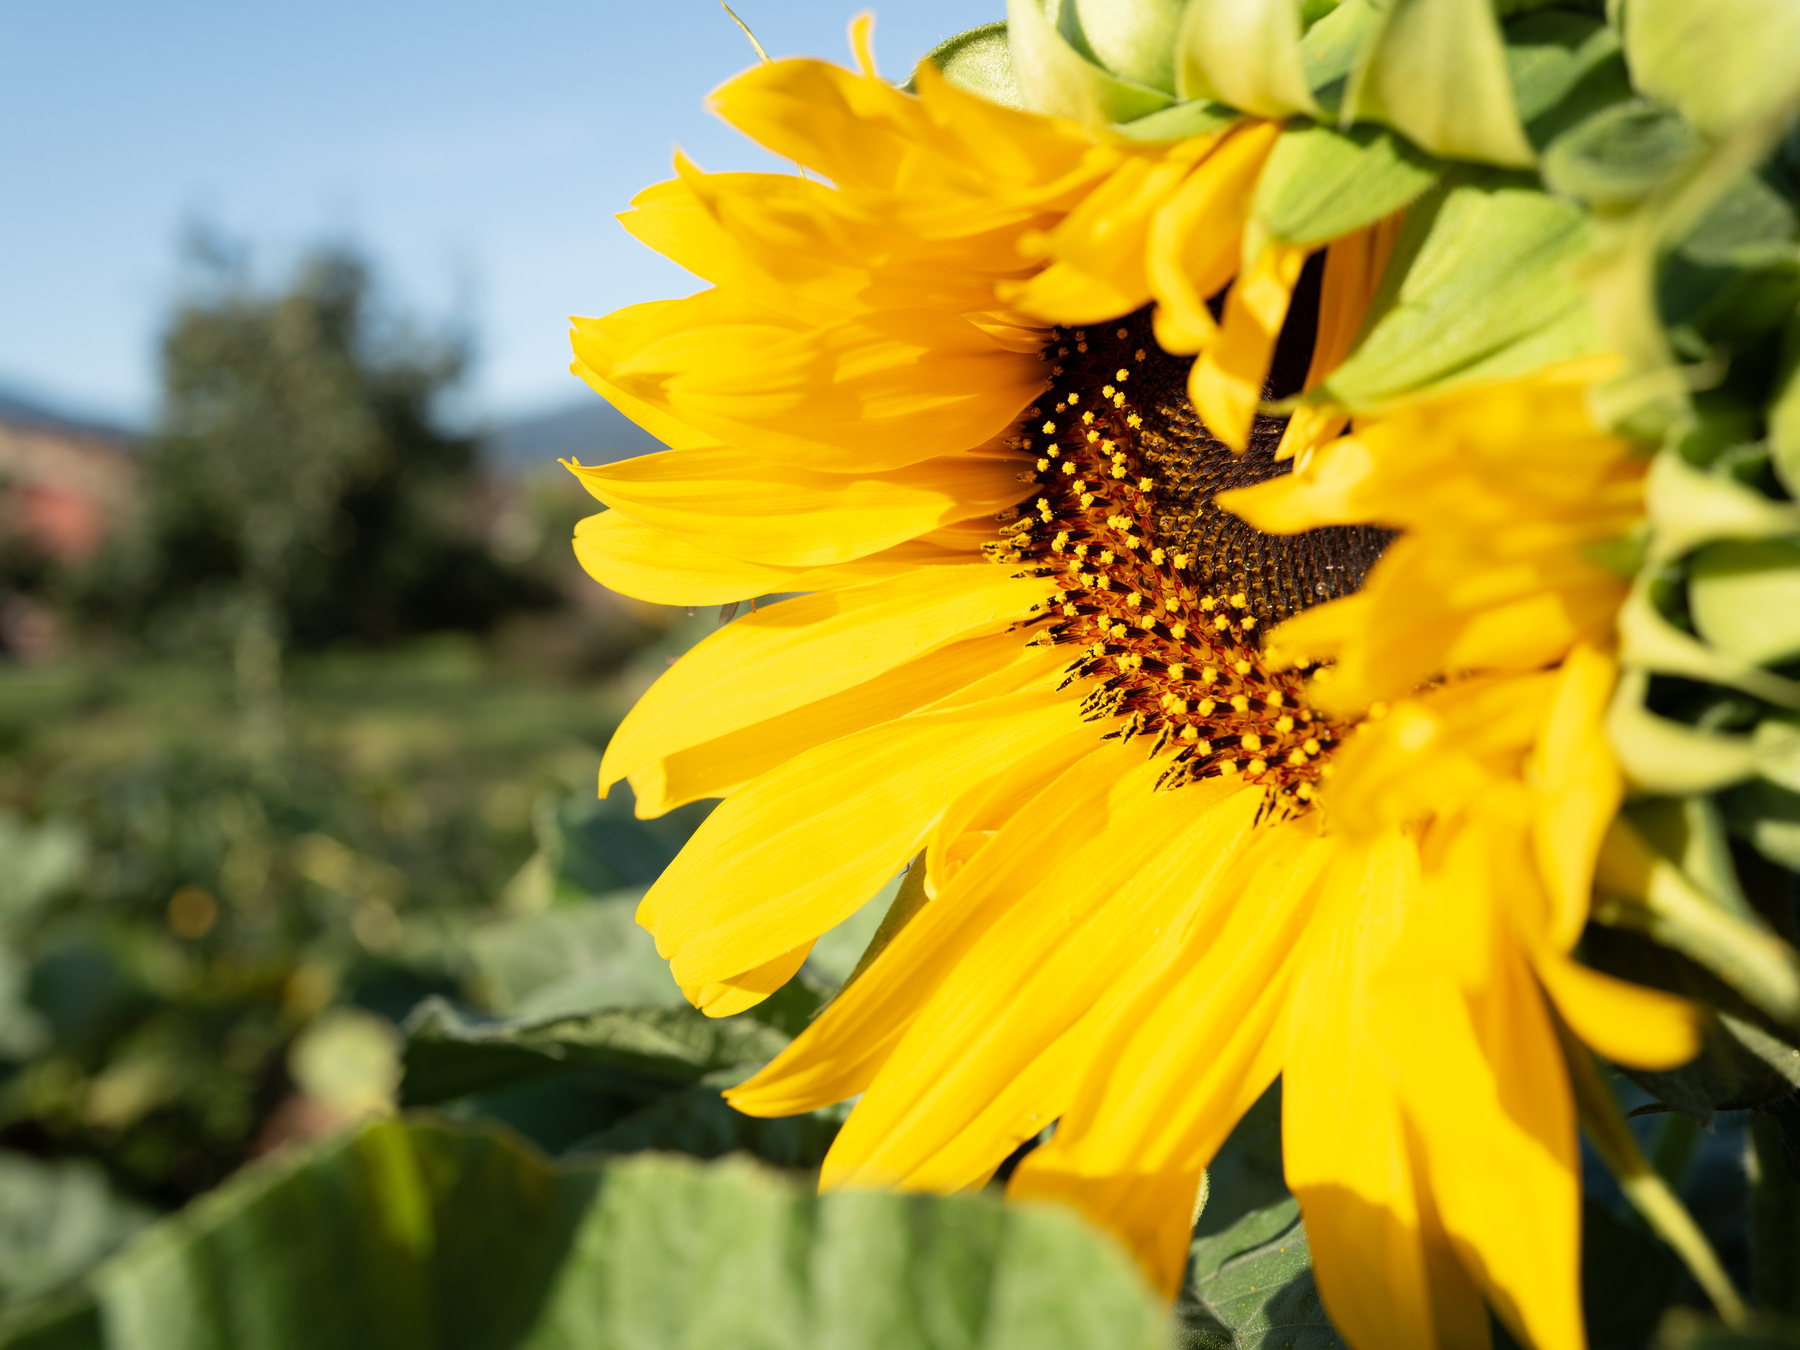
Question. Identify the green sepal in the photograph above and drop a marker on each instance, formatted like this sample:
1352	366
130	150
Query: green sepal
1652	394
1177	123
1639	886
1741	1064
1685	1328
1688	507
1478	287
1245	53
1767	817
1659	754
1720	63
1057	80
1331	47
1744	595
1436	70
1564	68
980	61
1320	183
1784	409
1777	741
1690	832
1648	641
1618	157
1137	40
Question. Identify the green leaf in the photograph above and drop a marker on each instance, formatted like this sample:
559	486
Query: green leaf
1719	64
569	1084
571	958
1135	39
1056	79
980	61
1245	53
1744	595
1255	1283
1436	70
1479	287
421	1235
401	1236
57	1219
447	1057
1320	183
1616	158
699	1122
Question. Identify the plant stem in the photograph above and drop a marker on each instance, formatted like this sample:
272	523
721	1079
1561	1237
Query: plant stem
1774	1218
1644	1187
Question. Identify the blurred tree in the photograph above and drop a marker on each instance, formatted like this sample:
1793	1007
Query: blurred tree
300	488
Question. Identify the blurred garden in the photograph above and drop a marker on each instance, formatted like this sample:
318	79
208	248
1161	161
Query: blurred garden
305	746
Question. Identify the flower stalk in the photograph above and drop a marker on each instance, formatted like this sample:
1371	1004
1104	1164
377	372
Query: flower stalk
1644	1186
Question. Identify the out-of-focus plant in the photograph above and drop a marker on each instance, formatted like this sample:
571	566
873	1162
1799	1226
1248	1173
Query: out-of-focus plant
175	911
301	487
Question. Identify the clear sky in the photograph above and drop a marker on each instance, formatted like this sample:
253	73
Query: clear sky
477	151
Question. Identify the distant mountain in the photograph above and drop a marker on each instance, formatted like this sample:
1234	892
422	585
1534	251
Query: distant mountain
592	431
21	409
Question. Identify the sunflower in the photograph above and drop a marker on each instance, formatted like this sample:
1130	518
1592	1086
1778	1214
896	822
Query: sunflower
1228	746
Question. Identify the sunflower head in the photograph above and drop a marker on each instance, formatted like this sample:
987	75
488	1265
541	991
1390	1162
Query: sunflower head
1207	562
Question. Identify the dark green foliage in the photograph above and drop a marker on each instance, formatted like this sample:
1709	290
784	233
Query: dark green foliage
300	467
353	867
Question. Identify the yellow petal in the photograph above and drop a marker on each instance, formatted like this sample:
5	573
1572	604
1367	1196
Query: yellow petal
727	997
1226	382
1343	1141
798	651
633	559
1151	1212
837	1055
720	766
948	146
598	343
1196	237
872	391
1494	1122
733	503
798	850
986	808
1028	982
1353	270
1627	1023
1579	787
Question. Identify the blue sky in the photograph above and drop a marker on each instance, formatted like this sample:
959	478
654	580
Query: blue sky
477	151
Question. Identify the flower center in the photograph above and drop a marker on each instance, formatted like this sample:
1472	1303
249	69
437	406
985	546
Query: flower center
1167	594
